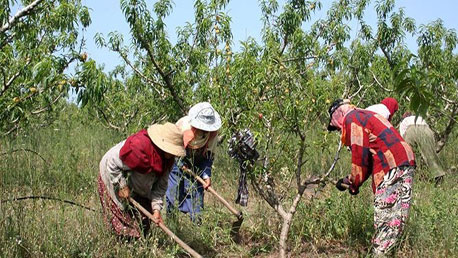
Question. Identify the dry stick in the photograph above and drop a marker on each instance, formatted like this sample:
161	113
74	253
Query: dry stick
238	214
165	229
25	149
47	198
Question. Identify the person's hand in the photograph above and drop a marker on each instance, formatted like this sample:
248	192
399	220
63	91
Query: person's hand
343	184
124	192
185	162
157	217
208	183
353	191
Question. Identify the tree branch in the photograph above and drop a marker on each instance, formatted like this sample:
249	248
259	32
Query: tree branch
378	83
48	106
166	77
387	56
138	72
25	11
360	88
131	116
285	43
8	39
108	121
299	164
9	82
443	137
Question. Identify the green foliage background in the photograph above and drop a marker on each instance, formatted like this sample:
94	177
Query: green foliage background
280	87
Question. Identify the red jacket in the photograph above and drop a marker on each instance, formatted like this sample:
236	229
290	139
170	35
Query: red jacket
140	154
376	147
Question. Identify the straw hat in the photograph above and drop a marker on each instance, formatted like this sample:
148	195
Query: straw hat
204	117
168	138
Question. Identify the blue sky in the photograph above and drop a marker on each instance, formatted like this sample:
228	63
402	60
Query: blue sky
107	16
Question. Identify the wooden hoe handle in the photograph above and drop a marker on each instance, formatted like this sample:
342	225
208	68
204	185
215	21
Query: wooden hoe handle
238	214
166	230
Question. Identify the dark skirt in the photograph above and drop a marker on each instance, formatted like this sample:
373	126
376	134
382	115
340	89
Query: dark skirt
129	222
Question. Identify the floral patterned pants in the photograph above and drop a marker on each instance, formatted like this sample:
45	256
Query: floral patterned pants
391	208
125	223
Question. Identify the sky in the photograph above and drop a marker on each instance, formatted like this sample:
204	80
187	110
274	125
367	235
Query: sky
107	16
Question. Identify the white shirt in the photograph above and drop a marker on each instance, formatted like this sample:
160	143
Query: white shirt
380	109
408	121
148	186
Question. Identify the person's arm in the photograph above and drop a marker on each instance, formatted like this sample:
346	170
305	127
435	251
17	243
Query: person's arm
358	139
116	170
158	191
206	167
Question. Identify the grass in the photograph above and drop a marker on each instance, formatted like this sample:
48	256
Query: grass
333	224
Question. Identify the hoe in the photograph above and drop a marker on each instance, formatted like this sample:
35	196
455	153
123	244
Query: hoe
238	214
166	230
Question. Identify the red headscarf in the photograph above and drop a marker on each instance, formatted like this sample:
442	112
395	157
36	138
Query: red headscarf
391	104
141	155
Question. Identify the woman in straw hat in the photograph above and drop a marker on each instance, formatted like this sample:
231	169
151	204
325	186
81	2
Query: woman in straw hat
138	167
199	129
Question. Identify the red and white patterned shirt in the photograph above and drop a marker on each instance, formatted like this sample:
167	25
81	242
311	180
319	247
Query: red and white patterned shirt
376	147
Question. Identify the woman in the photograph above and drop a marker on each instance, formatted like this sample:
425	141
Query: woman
386	108
416	132
377	151
199	129
138	167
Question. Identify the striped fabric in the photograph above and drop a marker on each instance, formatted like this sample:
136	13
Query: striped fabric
376	147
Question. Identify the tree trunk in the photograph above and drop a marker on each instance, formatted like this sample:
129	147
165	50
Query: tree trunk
443	137
284	234
287	219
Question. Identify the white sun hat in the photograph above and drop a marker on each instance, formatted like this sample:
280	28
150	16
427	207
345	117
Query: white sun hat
204	117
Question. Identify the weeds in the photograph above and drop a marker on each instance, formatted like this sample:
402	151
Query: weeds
332	224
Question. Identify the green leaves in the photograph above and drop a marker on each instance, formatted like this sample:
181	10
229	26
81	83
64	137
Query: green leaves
34	53
410	82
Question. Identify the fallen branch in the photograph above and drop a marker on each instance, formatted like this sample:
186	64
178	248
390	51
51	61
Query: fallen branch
47	198
25	149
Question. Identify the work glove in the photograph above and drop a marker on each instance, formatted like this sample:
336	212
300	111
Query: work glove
343	184
353	191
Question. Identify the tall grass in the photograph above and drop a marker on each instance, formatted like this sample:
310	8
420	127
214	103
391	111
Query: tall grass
330	224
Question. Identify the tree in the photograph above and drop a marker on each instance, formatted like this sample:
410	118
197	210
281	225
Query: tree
37	45
166	75
280	87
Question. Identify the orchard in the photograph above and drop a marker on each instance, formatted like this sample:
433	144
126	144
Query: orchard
61	111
